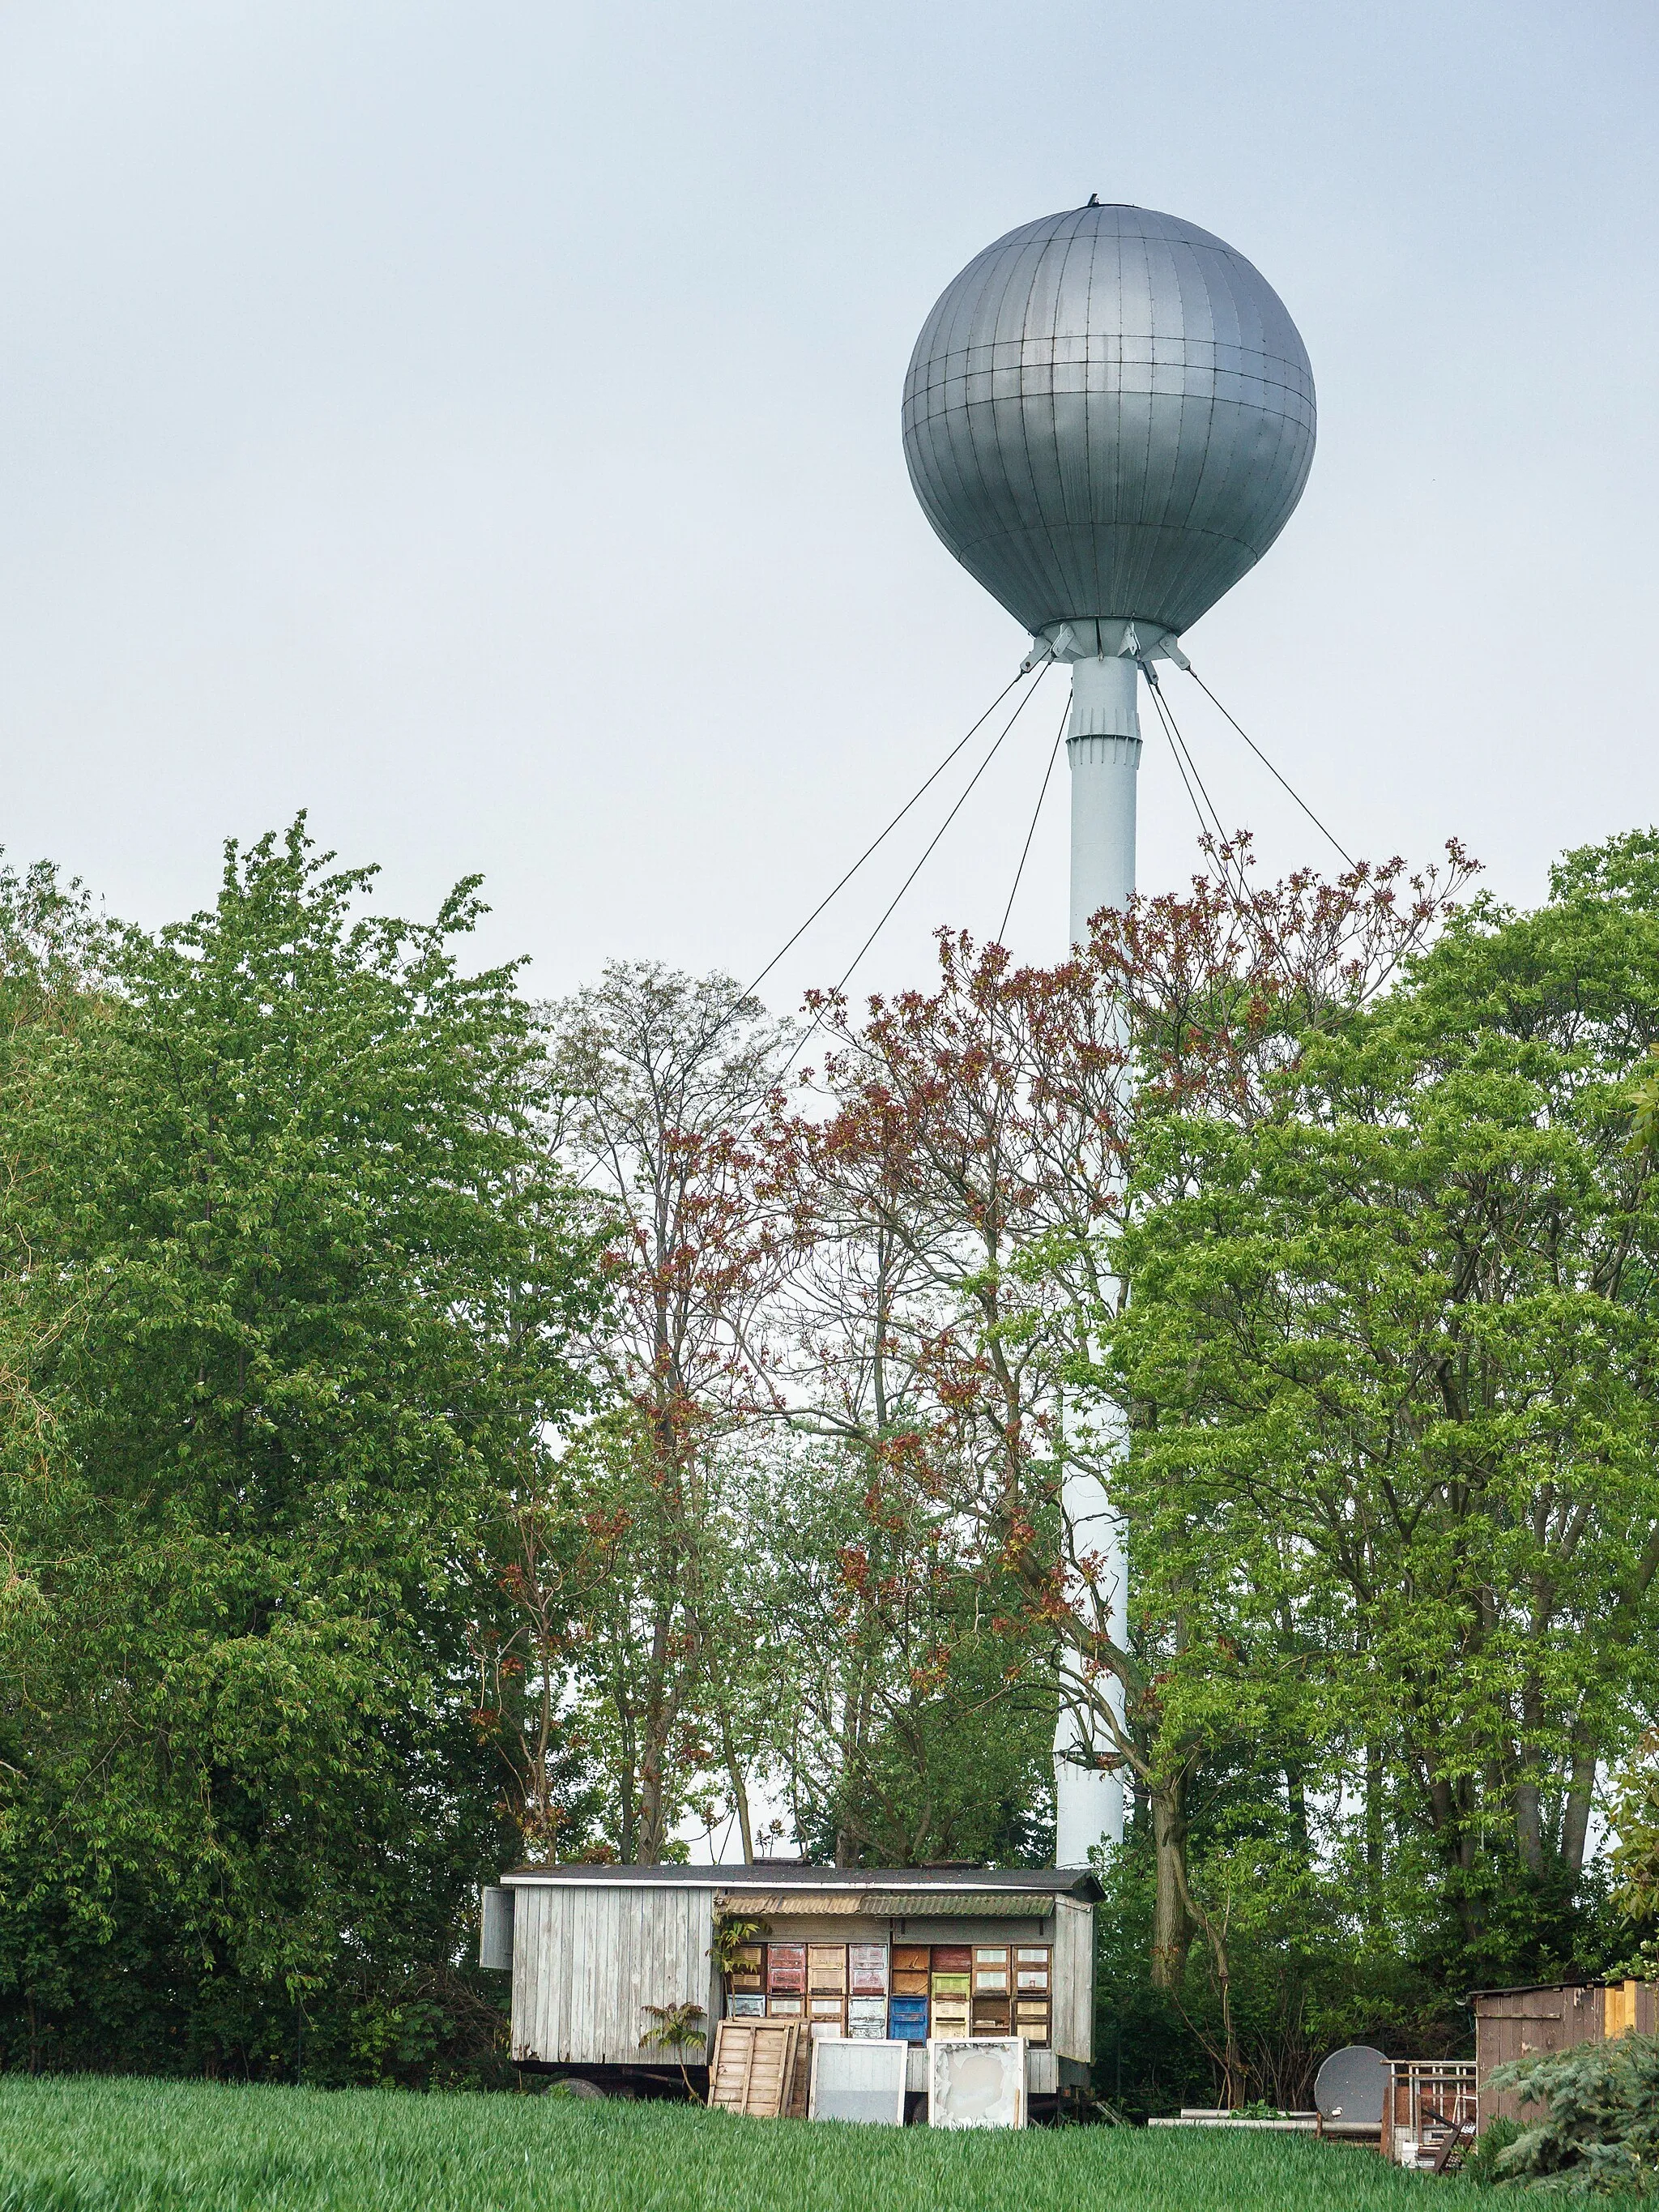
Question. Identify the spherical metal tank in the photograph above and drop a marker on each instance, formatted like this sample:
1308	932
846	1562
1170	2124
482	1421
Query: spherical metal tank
1108	414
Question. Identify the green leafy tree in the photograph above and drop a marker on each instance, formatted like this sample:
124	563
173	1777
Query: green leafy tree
911	1722
678	2028
293	1288
1391	1355
964	1180
1635	1814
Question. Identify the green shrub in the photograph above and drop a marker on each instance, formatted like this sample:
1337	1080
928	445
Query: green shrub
1480	2159
1601	2136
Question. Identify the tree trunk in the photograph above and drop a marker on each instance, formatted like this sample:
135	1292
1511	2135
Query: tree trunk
1529	1826
657	1729
628	1825
1528	1797
1173	1927
855	1729
739	1787
1574	1813
1373	1834
1296	1793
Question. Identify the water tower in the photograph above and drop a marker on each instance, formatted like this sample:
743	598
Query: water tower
1108	418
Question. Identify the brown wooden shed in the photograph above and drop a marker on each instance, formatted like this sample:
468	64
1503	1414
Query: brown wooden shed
1542	2017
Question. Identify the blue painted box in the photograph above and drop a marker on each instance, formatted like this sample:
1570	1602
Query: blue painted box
907	2020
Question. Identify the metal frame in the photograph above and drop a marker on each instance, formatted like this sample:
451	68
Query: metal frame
1440	2112
832	2044
938	2046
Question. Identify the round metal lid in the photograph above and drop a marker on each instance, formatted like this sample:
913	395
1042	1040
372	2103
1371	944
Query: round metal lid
1351	2085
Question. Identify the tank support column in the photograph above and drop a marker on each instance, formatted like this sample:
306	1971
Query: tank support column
1103	747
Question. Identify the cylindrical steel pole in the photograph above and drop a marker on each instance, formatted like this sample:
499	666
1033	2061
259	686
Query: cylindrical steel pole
1103	746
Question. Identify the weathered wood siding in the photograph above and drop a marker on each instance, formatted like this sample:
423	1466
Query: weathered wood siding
587	1959
1072	1980
1524	2024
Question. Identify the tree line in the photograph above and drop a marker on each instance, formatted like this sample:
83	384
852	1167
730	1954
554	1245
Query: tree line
442	1429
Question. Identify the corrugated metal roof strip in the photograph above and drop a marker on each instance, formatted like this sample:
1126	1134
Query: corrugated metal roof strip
929	1904
775	1903
888	1905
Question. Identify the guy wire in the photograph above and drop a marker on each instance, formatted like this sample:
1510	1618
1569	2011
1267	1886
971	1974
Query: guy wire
749	989
1179	747
891	826
831	995
1025	850
1268	765
943	827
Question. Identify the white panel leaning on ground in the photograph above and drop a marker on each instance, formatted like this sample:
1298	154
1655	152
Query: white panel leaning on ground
858	2079
980	2083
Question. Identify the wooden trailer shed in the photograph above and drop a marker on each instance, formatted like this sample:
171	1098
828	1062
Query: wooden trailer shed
902	1952
1540	2017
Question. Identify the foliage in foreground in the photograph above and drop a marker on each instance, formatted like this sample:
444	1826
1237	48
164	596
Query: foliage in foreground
1601	2135
286	1291
74	2145
1390	1360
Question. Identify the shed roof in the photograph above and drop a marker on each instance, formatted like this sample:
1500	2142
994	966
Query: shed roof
882	1890
1528	1988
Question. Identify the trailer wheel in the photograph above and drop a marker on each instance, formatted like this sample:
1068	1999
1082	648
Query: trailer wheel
589	2092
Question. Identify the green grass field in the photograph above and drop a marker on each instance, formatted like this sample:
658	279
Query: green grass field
83	2144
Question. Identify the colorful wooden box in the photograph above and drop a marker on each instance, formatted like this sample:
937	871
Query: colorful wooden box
826	1968
866	1970
991	1969
785	1967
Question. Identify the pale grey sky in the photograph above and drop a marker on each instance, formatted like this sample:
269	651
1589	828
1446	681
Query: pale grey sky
479	424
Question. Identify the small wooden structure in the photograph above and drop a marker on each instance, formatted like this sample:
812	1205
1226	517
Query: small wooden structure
1538	2017
1431	2112
904	1953
753	2066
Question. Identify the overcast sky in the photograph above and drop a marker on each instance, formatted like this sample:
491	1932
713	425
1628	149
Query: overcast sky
478	424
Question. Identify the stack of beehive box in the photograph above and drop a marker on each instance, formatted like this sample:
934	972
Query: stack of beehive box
952	1980
826	1985
745	1983
786	1981
991	2013
867	1991
908	1993
1031	1967
906	2010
